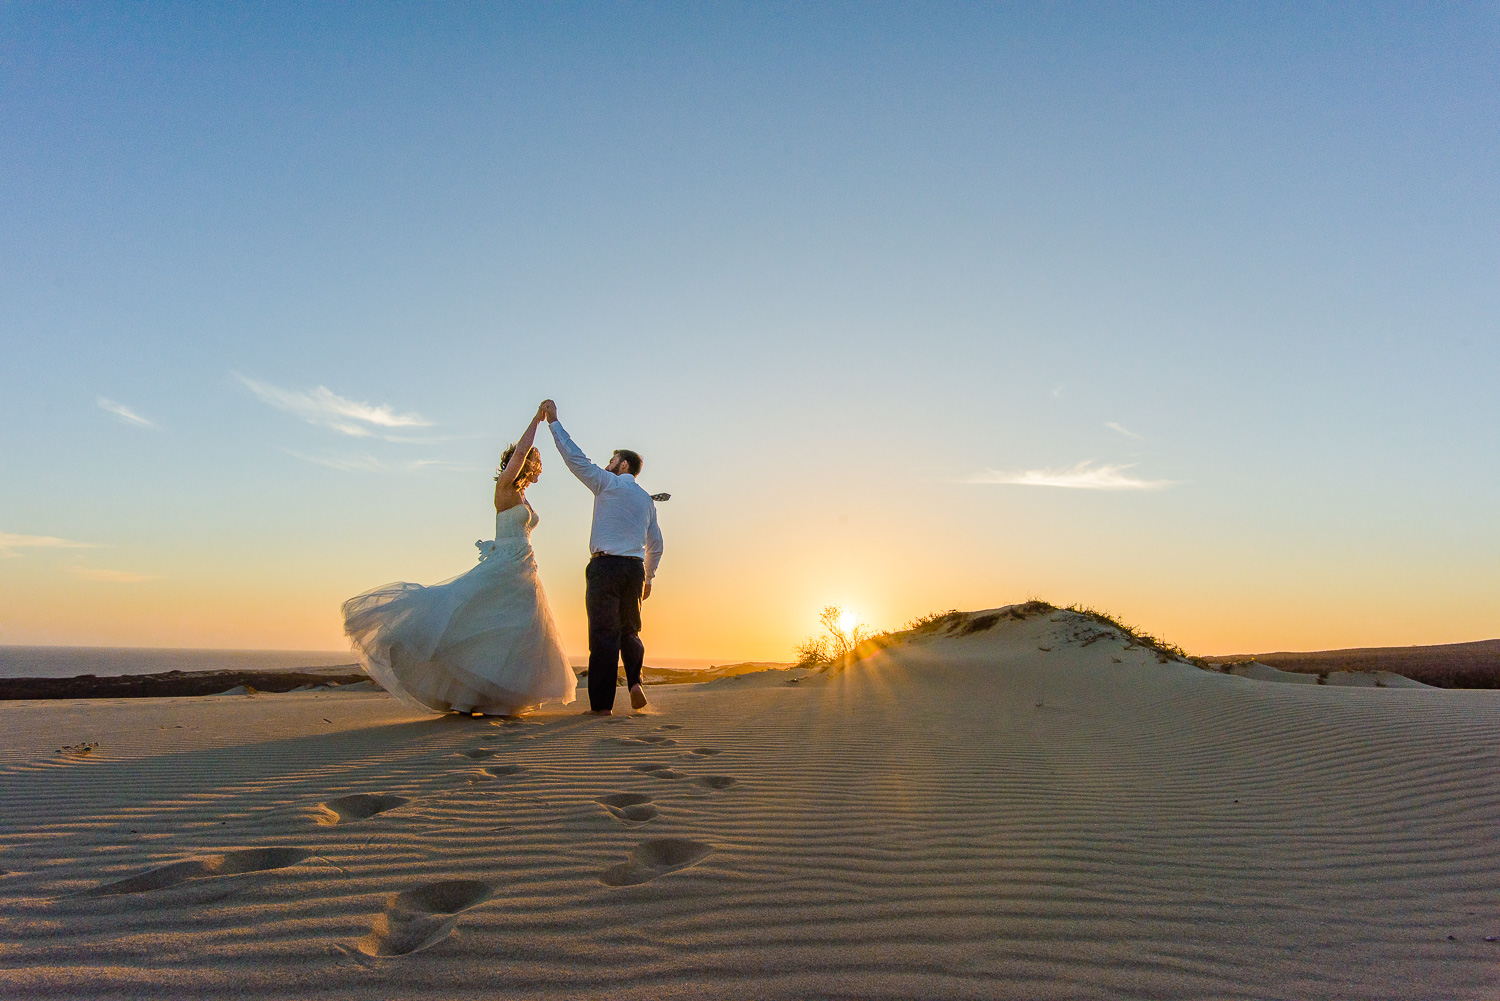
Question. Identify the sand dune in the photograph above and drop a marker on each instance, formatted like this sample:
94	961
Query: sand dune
1033	810
1347	679
1450	665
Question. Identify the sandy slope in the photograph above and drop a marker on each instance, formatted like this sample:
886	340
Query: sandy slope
1449	665
1034	811
1348	679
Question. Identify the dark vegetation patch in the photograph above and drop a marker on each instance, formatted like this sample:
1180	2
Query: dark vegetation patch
979	624
934	622
954	623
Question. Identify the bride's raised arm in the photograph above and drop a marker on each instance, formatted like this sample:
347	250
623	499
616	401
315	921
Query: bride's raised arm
507	478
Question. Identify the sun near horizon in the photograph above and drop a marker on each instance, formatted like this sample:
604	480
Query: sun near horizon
1185	318
1130	334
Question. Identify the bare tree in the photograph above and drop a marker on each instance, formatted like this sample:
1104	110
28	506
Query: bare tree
813	653
841	641
838	644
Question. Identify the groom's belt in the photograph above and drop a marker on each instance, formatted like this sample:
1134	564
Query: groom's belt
596	555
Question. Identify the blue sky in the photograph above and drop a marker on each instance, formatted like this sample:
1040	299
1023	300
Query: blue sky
1185	311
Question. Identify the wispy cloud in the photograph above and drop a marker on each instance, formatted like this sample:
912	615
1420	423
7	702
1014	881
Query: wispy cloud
444	465
110	576
437	439
370	464
345	464
125	415
323	407
9	543
1123	430
1084	476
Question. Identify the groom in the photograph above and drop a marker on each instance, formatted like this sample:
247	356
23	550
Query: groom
626	547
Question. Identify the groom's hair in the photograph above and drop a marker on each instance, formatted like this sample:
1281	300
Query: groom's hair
632	459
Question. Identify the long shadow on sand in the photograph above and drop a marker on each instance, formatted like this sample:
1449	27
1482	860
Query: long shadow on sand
354	755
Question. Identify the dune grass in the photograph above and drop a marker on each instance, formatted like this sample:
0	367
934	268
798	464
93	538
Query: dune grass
1136	636
951	622
1465	665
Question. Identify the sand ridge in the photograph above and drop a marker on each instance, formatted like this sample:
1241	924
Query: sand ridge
1031	810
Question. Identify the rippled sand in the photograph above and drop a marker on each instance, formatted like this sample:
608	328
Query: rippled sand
1037	810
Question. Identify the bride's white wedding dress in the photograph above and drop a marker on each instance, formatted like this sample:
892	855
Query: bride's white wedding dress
483	641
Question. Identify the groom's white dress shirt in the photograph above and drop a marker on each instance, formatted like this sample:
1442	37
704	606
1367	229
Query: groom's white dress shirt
624	514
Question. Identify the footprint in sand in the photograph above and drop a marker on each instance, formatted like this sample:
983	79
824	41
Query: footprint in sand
501	770
359	806
707	752
715	781
478	752
655	857
628	807
418	918
668	726
650	740
657	771
227	864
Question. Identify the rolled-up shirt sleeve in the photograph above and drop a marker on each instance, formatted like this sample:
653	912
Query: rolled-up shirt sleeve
653	544
591	475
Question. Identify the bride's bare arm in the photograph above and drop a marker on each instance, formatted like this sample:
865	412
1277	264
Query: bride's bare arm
517	458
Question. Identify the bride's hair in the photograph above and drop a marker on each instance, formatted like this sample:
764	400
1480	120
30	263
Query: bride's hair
521	480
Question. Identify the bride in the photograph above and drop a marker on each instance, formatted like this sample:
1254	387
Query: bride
480	643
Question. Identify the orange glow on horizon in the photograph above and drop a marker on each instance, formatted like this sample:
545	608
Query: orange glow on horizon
729	597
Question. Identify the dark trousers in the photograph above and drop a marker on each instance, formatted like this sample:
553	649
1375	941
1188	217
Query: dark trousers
612	595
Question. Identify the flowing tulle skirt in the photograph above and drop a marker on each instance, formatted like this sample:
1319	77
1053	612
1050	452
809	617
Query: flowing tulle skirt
483	641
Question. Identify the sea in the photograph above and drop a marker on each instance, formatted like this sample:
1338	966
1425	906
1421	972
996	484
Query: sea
109	662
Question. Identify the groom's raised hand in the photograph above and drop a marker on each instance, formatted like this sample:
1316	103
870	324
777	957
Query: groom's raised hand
549	410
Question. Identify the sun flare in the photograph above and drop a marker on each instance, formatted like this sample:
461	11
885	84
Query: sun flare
847	621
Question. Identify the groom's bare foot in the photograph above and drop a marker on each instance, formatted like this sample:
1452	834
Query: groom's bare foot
637	697
600	712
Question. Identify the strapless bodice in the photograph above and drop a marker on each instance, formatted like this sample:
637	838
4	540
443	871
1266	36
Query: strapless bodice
512	533
515	522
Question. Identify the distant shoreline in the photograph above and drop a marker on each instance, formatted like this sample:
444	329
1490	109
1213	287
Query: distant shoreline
178	684
74	661
169	684
61	662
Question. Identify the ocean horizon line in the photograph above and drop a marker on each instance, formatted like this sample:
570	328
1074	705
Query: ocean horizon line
59	661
